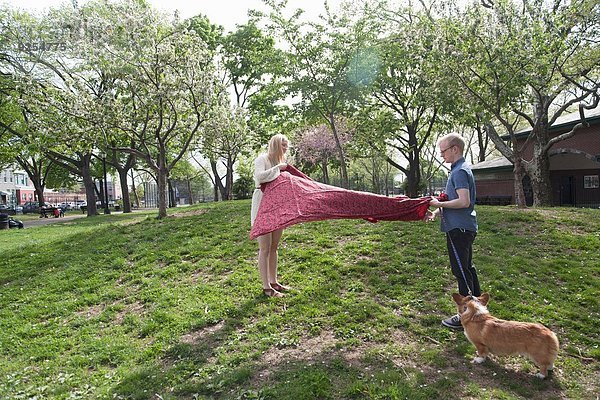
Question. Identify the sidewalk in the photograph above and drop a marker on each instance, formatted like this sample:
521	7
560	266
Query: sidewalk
70	215
49	220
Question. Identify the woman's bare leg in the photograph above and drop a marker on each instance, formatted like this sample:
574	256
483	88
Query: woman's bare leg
264	248
272	267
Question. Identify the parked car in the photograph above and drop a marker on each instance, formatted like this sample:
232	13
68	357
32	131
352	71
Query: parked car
33	207
6	209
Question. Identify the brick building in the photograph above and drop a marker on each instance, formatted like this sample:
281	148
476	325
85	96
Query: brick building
574	167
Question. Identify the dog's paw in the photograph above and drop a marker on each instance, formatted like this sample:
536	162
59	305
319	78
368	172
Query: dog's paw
540	375
478	360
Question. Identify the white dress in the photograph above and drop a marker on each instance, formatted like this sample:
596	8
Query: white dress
263	172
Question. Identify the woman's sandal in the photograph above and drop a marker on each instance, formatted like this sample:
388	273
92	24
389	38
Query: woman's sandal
272	293
280	288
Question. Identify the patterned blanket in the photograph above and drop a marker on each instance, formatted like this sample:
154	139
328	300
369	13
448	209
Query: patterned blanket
293	198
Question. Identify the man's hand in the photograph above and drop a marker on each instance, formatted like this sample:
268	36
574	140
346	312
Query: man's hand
435	203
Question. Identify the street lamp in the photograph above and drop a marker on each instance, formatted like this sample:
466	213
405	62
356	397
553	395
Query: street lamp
106	209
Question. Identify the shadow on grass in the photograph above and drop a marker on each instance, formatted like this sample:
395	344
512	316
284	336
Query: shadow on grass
190	369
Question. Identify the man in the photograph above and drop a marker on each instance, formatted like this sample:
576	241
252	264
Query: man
458	219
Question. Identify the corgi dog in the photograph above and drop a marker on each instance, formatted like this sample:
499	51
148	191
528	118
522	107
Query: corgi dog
492	335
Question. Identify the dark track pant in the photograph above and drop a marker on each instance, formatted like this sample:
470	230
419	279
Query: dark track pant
463	243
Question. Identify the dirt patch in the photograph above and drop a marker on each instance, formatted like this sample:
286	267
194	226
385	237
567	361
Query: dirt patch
199	336
309	349
133	308
91	312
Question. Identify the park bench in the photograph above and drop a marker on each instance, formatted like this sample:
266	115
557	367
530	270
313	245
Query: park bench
52	212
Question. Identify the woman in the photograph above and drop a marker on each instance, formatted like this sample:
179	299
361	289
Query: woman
267	168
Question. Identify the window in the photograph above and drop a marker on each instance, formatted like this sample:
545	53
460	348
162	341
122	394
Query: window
591	182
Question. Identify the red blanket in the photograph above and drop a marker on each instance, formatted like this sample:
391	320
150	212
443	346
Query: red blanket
293	198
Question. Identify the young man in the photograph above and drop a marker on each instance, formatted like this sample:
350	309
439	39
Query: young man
458	219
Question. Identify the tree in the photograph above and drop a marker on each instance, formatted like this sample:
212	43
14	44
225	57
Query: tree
164	83
251	61
316	145
525	65
322	62
411	87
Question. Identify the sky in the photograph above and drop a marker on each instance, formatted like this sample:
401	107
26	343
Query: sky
227	13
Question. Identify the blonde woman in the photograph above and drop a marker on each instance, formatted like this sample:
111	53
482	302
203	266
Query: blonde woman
267	168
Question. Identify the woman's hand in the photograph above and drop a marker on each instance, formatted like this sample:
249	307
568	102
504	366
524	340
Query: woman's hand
282	166
430	216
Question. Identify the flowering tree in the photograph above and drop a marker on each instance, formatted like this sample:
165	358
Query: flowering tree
161	85
317	145
223	138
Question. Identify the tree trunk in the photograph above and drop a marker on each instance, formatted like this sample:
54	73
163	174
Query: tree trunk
413	176
229	179
519	174
170	194
218	184
162	175
482	143
325	171
539	170
341	155
375	181
39	190
412	181
190	194
135	195
90	189
125	191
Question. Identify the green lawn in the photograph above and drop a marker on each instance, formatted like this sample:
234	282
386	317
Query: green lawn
129	307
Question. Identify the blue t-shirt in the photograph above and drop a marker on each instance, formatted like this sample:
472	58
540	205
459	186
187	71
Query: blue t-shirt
461	177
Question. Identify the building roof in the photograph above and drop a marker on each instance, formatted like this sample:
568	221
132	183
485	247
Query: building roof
500	162
568	121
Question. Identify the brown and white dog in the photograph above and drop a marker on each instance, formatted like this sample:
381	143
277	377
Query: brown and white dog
492	335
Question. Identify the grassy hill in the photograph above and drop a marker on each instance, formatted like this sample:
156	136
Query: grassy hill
129	307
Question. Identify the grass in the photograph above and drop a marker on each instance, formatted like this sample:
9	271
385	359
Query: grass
129	307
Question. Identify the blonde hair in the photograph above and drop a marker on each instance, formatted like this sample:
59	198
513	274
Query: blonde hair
453	139
275	149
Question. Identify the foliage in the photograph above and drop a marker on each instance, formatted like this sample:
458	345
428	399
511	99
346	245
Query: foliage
209	33
410	88
164	82
524	65
244	186
224	137
325	62
128	306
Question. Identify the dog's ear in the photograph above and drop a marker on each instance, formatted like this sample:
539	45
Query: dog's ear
484	298
458	299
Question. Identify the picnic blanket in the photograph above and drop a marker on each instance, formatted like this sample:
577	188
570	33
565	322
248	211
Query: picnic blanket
293	198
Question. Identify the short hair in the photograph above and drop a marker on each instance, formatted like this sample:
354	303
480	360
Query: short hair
453	139
275	150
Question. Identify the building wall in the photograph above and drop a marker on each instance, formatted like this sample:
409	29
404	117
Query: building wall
494	184
16	183
585	139
571	160
568	188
